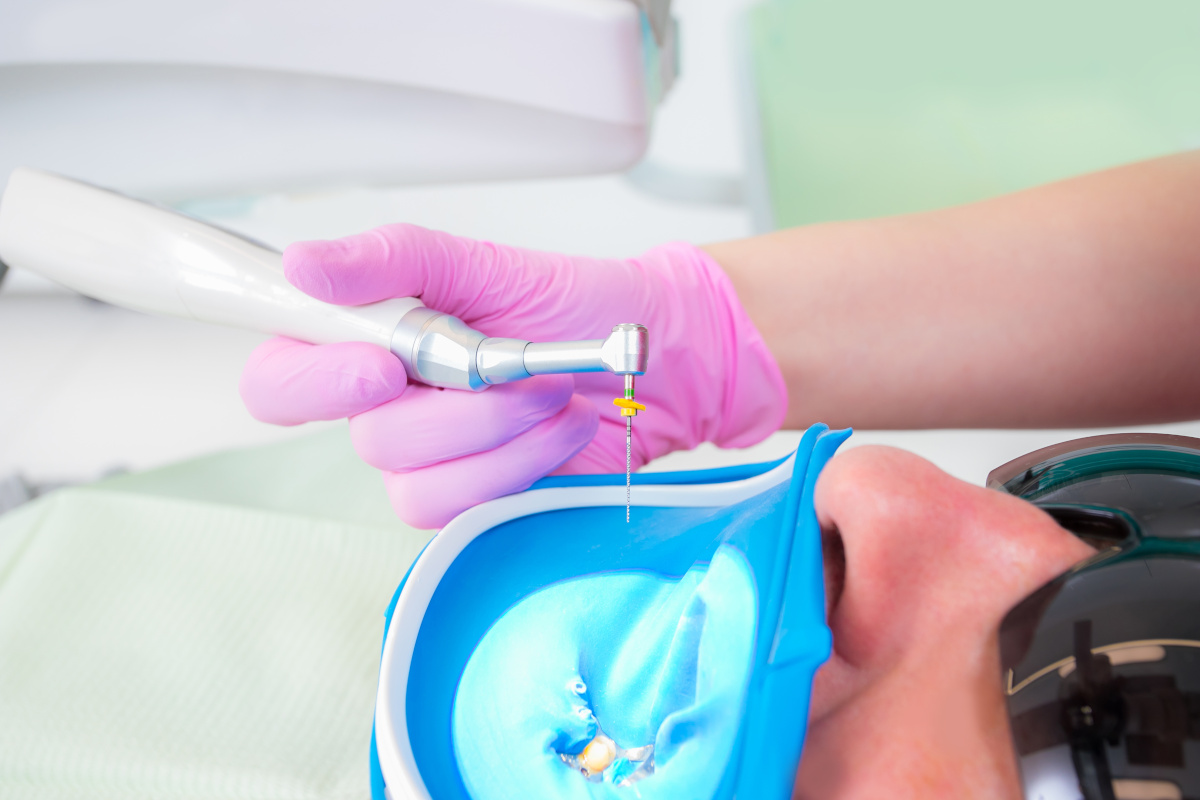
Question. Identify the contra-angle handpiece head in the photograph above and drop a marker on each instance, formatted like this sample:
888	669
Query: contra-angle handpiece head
148	258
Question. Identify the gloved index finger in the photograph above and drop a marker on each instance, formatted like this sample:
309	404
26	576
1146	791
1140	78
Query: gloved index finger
472	280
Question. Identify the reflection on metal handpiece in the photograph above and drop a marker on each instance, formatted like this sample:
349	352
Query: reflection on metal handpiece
441	350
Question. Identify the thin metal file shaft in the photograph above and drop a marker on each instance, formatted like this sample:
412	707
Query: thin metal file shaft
629	408
628	461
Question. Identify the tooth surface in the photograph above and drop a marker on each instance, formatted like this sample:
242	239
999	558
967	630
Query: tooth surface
598	754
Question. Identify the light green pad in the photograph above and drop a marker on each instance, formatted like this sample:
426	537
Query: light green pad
209	630
871	108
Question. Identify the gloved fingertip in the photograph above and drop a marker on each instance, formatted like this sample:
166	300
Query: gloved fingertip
349	271
530	401
305	267
580	420
572	430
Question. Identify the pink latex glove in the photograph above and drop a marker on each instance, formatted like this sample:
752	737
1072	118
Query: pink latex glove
710	376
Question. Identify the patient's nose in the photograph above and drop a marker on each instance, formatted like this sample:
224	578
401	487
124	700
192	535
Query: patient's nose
927	556
920	570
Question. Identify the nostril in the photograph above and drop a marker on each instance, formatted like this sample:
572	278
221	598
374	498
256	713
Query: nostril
833	553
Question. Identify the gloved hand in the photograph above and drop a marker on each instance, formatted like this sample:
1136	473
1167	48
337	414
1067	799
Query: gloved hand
710	376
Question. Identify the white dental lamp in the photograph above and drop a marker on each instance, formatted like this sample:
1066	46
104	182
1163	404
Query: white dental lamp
177	99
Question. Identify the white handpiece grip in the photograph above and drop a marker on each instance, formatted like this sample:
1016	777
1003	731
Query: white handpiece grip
140	256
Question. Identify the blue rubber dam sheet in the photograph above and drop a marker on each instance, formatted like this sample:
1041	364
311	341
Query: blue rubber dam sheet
666	646
647	659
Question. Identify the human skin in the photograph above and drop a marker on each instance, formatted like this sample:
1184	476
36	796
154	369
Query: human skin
920	569
1071	304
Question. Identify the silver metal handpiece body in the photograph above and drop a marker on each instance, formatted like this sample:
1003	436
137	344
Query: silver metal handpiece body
442	350
148	258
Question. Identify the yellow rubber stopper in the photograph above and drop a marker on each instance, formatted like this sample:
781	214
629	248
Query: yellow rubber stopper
632	406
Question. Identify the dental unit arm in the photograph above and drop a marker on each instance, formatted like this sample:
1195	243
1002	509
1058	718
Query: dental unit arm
148	258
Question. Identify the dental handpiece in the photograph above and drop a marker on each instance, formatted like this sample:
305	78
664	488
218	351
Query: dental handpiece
141	256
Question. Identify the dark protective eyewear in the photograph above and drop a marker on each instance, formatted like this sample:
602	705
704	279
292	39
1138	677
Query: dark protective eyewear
1102	664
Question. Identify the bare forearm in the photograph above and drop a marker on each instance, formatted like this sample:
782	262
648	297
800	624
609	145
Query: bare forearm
1072	304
